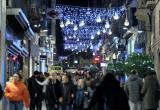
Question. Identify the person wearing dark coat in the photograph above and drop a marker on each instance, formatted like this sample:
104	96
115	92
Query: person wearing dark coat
53	93
151	91
35	91
109	95
66	99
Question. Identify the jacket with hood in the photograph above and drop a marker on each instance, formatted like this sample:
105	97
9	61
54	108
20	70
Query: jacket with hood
150	91
133	88
17	91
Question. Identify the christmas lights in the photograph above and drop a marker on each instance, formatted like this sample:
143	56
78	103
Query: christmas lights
80	25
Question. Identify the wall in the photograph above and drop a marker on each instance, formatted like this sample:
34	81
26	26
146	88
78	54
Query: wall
2	45
156	38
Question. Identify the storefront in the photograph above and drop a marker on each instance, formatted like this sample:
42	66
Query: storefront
18	37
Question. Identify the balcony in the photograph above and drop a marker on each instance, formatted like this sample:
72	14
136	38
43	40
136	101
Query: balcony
150	3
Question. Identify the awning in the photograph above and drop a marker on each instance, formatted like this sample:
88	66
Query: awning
24	52
13	48
19	22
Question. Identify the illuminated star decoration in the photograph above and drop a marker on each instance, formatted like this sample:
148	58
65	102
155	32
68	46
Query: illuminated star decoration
80	25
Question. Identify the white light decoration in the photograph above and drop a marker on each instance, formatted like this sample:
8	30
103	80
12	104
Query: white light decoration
77	39
107	25
65	38
62	25
98	20
98	32
92	37
88	11
126	23
75	28
114	56
104	31
91	47
71	23
70	37
94	54
116	16
74	36
82	23
110	32
68	22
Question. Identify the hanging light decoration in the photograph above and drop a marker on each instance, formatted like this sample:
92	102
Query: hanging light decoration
107	25
110	32
68	22
92	37
98	32
126	22
82	24
75	28
98	20
116	16
74	36
104	31
62	25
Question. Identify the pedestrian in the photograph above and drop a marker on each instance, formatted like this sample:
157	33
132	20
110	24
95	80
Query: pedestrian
17	94
109	95
133	88
53	93
35	91
66	100
151	91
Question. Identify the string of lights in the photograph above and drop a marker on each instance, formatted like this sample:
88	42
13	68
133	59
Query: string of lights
80	25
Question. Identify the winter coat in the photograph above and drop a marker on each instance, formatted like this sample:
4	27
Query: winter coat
17	91
67	90
133	88
150	91
79	99
35	88
52	93
109	97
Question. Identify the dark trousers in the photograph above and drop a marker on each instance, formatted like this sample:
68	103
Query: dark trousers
35	104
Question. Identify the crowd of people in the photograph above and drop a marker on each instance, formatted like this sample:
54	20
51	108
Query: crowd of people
82	91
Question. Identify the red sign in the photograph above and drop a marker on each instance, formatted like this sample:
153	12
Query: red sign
97	59
52	13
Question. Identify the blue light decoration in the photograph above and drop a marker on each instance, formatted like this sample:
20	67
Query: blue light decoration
80	25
